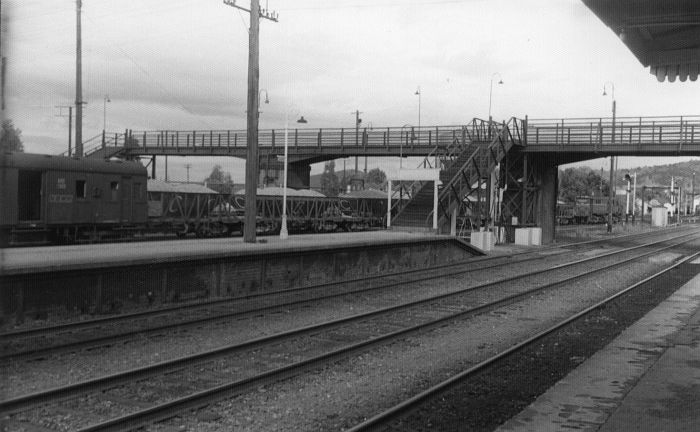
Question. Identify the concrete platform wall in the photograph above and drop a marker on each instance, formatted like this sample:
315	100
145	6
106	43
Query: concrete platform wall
123	288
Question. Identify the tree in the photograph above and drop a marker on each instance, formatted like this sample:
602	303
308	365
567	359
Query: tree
11	139
376	179
582	181
329	181
219	180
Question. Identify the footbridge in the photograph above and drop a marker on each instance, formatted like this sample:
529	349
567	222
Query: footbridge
490	172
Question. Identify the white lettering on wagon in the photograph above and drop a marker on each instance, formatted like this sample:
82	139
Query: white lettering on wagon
60	183
60	199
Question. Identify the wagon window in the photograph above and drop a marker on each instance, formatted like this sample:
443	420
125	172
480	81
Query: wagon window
80	189
114	188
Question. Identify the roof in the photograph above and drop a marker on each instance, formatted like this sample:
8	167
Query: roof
663	34
278	191
34	161
193	188
367	193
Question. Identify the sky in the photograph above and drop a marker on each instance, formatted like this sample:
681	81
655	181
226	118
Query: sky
182	65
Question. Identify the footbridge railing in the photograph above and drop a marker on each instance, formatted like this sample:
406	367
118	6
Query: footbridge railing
636	132
407	137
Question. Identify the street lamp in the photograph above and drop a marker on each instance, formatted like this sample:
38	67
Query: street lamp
104	113
500	81
267	99
612	158
283	229
401	145
418	94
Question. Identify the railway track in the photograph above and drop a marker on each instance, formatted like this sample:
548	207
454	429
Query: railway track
320	344
396	417
89	334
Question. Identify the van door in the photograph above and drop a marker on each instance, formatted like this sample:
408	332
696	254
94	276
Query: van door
29	196
127	207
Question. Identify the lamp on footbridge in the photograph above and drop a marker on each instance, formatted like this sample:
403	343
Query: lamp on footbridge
500	81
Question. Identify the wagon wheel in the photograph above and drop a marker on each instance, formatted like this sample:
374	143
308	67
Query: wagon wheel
183	232
203	231
219	229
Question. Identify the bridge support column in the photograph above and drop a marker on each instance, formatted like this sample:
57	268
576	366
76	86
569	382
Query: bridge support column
298	174
546	173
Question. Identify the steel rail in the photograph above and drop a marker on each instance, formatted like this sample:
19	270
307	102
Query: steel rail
141	373
426	275
411	403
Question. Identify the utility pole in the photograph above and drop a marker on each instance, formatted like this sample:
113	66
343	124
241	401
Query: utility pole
252	163
78	85
70	124
187	167
3	60
611	196
358	120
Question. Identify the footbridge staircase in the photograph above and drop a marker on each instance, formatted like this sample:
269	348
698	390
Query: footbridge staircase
467	173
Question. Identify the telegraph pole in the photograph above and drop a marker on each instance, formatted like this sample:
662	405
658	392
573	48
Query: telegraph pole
78	85
252	163
187	167
358	120
611	196
70	125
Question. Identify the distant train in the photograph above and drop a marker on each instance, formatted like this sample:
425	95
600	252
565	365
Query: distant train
54	200
589	210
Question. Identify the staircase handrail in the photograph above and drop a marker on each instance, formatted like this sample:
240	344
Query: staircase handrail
454	148
87	141
94	143
501	132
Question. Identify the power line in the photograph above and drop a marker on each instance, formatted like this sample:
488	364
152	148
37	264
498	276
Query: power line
402	4
157	84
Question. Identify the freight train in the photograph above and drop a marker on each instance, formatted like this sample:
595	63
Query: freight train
58	200
589	210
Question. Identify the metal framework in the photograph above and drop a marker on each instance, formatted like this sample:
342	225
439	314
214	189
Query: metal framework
217	214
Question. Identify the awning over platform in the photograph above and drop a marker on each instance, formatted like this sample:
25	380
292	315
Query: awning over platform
663	34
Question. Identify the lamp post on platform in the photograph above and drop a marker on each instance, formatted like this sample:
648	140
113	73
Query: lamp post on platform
283	229
612	158
267	99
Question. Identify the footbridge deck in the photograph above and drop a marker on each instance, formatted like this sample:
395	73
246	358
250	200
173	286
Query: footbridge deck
584	138
313	145
575	138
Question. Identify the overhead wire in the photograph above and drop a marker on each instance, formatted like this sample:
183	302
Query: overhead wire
164	90
374	4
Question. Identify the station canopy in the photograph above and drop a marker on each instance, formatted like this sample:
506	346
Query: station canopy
663	34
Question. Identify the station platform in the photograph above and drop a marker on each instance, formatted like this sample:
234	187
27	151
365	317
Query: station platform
63	282
54	258
647	379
